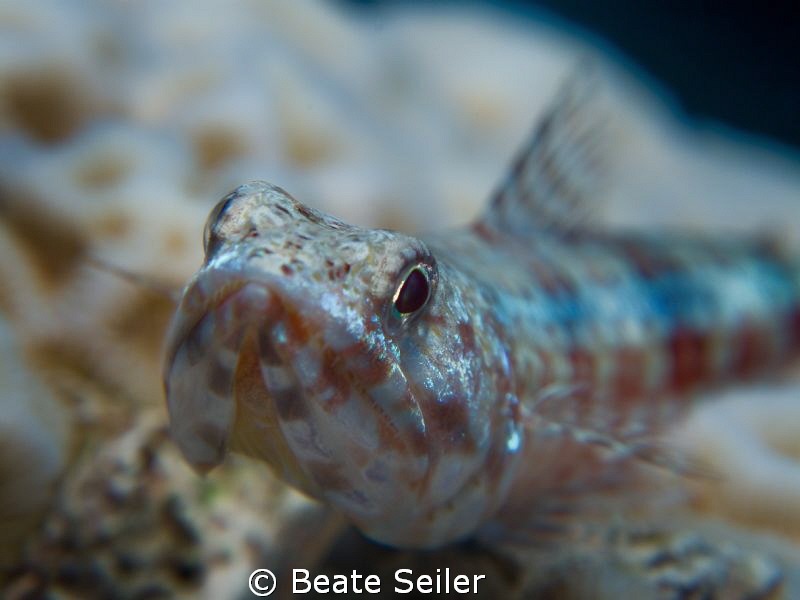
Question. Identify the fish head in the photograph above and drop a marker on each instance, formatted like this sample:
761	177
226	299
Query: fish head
294	343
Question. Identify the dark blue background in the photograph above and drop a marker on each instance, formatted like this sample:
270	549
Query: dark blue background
725	62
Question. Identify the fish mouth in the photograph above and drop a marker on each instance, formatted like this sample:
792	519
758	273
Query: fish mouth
220	395
203	344
205	292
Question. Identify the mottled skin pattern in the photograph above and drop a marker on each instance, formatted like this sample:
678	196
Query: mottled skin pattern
546	359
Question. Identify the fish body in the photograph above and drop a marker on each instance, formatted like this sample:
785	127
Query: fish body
470	381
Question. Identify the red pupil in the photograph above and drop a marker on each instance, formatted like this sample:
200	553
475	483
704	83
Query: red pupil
413	294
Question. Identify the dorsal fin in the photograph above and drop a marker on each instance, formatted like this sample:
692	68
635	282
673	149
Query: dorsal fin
553	180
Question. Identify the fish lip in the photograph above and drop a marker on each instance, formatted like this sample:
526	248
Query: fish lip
199	375
205	291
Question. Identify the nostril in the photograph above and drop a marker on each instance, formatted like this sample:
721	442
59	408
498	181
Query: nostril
210	235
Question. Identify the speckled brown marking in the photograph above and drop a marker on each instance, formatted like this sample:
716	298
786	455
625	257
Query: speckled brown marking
794	319
389	438
268	355
484	232
495	463
548	375
338	272
213	435
416	440
309	214
234	341
449	417
248	380
327	477
553	282
434	321
582	365
751	349
296	326
336	376
630	371
220	378
534	367
467	337
690	353
289	404
648	263
371	373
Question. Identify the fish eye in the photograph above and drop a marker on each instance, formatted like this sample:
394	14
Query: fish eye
414	292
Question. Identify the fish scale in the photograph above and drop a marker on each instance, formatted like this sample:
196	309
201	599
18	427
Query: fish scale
473	381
